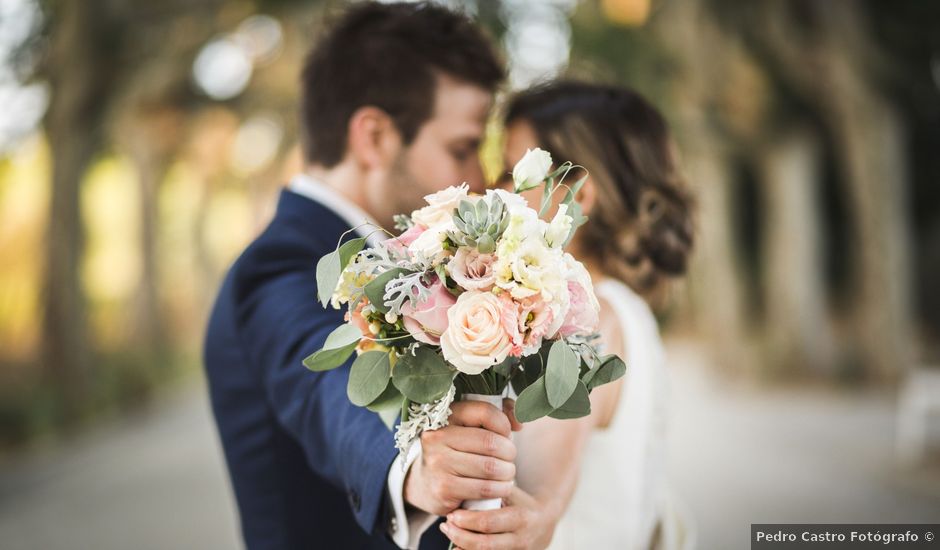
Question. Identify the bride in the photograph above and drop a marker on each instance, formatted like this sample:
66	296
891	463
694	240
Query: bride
638	237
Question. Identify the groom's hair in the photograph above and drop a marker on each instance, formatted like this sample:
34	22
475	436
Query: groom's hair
387	56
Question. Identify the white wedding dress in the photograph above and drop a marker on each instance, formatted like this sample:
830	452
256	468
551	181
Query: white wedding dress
623	500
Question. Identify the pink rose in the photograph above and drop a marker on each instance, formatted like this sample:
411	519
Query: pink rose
527	322
428	320
400	243
582	316
472	270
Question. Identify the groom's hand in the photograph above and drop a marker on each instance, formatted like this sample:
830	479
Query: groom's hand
471	458
522	523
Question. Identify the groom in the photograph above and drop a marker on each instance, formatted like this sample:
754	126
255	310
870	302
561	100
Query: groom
394	104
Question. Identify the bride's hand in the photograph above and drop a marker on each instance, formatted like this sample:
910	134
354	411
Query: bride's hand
523	523
471	458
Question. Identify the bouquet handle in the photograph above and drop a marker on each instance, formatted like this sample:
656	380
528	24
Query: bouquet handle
488	503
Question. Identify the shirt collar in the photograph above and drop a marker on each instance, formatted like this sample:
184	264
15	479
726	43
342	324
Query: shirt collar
351	213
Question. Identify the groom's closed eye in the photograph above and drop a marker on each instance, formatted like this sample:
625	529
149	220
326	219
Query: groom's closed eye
463	150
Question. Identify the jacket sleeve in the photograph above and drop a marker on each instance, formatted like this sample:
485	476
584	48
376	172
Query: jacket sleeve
280	323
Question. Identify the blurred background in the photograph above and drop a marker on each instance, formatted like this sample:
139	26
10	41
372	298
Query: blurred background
142	145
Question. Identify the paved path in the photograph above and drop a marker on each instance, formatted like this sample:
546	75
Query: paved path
738	456
742	456
154	481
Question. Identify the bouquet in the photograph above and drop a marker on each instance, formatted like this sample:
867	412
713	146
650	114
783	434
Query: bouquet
475	295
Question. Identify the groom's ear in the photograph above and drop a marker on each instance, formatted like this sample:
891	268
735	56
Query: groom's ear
373	138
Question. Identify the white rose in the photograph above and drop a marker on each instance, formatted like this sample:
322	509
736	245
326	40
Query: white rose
475	339
430	243
441	205
531	169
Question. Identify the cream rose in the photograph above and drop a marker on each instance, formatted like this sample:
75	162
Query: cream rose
475	339
441	205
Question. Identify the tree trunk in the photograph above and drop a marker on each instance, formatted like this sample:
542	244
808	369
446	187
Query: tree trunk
796	320
74	127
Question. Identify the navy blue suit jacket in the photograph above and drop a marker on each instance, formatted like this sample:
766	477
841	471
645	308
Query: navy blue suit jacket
308	467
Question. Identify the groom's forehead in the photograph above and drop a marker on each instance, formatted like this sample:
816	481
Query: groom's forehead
461	107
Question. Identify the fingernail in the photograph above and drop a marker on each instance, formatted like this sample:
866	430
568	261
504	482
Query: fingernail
444	527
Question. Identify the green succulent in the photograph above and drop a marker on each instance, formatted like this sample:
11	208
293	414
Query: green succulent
480	225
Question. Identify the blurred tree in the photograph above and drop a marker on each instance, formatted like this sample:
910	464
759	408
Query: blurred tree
100	63
771	100
79	66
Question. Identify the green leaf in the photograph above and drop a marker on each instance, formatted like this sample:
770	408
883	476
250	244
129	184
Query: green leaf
375	290
547	196
610	368
506	368
390	399
578	405
387	406
530	369
337	348
533	403
349	249
561	373
573	190
328	272
577	220
368	377
331	266
422	377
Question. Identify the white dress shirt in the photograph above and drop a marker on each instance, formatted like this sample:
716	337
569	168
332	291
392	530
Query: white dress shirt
405	528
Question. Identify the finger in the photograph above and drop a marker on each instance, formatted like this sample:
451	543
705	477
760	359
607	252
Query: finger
476	414
509	408
502	520
466	488
479	466
518	498
472	440
473	541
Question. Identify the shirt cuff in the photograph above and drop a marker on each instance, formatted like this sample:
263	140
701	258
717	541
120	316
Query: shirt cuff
404	527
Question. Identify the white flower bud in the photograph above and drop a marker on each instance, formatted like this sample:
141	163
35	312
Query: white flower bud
532	169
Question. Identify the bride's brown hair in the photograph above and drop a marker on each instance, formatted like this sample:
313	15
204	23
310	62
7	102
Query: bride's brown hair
640	227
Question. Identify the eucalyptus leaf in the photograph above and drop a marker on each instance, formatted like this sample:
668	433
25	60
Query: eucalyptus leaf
375	289
337	348
368	377
533	403
328	272
331	266
387	405
578	405
390	399
530	369
561	373
349	249
610	368
422	377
